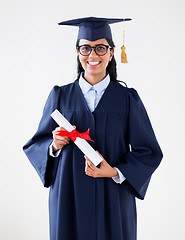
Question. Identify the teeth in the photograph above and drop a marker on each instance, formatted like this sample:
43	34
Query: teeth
93	63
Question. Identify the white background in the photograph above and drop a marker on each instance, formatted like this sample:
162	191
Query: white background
36	54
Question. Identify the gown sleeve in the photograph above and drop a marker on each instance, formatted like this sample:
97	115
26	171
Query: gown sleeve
145	155
37	148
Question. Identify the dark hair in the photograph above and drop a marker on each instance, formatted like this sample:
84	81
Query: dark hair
111	68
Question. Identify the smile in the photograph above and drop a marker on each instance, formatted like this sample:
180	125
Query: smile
93	63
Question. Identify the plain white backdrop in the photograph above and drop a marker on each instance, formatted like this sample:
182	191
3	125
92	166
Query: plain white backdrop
36	54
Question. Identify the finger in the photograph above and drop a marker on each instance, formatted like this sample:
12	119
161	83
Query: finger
61	139
58	137
55	135
89	174
89	171
63	129
66	141
92	173
86	160
86	164
61	142
59	128
91	165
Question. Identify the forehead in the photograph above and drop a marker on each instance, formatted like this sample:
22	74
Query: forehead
93	43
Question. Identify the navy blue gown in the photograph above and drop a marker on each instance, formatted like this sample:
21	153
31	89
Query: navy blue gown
86	208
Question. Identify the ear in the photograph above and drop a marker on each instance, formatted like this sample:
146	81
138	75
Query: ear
77	52
111	54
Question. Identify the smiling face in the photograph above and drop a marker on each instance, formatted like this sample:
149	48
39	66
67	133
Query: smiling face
94	65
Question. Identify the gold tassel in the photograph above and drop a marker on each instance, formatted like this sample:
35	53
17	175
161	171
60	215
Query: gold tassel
123	53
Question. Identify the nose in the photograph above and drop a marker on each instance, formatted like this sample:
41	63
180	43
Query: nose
93	53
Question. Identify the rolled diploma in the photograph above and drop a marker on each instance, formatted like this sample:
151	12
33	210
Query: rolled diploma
82	144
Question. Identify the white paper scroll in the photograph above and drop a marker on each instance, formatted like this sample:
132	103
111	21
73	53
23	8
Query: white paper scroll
82	144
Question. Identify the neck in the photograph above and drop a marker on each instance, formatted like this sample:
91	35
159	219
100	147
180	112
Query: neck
94	79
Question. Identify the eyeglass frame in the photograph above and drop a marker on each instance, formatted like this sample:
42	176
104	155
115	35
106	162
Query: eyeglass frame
107	47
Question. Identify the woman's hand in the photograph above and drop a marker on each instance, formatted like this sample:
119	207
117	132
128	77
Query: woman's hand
105	169
59	142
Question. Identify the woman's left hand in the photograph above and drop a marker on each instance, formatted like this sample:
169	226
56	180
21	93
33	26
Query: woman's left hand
105	169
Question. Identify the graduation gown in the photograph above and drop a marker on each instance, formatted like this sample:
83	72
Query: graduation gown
82	207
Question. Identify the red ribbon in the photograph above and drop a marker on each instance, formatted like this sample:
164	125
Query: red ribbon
74	134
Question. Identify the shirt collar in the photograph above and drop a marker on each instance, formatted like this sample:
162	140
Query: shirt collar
85	86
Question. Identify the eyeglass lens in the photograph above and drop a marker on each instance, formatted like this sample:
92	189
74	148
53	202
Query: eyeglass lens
100	49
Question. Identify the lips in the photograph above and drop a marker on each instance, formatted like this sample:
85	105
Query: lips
93	64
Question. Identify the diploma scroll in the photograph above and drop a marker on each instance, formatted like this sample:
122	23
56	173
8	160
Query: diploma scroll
82	144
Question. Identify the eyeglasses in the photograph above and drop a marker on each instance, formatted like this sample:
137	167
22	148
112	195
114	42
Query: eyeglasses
100	49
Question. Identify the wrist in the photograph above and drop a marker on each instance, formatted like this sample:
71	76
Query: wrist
54	148
115	172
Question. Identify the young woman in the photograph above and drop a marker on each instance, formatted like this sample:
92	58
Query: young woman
88	202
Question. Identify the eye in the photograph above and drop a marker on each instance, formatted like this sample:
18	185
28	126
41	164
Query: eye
85	48
101	48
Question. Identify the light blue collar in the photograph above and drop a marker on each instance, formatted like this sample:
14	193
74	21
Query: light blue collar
85	86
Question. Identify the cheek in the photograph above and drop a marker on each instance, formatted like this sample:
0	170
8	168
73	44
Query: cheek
82	60
106	61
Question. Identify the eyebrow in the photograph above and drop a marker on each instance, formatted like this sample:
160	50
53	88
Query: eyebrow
94	45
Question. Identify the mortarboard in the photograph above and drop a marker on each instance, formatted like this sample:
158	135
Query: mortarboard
93	28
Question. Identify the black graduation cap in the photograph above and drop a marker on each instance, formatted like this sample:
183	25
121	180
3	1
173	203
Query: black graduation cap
93	28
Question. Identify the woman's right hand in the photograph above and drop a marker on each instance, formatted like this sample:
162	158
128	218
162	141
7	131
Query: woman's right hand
58	141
